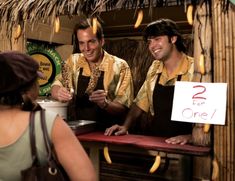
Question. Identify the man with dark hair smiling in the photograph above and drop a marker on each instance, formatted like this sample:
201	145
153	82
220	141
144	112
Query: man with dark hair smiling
156	94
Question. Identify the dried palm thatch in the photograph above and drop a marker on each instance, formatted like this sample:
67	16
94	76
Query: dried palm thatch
14	12
23	12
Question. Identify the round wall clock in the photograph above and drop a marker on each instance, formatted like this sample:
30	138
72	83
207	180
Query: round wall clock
232	1
49	63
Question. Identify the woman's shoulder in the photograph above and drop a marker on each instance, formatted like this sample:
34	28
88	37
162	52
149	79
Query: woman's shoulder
50	118
49	115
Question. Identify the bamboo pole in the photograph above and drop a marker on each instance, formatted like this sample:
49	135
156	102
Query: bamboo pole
231	93
227	78
220	152
224	57
216	50
217	56
232	15
223	78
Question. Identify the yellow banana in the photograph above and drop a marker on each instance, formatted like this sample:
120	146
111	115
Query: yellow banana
139	18
155	164
190	14
94	25
57	24
106	155
202	64
206	128
215	171
17	31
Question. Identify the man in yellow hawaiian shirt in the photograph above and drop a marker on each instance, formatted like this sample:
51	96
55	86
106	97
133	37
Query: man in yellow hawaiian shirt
156	94
100	83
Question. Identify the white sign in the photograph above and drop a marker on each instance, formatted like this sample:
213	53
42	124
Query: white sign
198	102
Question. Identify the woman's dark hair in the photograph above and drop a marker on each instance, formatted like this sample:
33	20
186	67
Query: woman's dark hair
83	24
164	27
16	98
11	99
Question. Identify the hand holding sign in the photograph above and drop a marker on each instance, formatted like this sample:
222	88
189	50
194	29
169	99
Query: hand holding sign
199	102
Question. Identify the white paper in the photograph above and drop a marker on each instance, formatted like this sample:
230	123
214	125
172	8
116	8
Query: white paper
199	102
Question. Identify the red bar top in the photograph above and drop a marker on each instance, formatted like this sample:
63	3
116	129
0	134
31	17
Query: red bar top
146	142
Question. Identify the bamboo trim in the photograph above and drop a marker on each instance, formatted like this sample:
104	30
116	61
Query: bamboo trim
224	66
229	134
232	15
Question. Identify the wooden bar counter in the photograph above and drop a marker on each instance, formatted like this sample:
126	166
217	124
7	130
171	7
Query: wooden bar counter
133	155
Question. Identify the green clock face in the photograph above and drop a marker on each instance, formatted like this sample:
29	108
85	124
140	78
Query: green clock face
232	1
49	63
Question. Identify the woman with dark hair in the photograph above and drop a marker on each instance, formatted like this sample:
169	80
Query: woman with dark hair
18	92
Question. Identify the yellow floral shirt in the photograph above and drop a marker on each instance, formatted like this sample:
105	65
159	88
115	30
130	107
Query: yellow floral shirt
117	76
144	97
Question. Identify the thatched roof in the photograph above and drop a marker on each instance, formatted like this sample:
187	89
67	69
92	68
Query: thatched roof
13	12
23	12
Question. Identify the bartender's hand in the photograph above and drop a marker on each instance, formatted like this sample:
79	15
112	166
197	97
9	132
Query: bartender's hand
116	130
98	97
181	139
61	94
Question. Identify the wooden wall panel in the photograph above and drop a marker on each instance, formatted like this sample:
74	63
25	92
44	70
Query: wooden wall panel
120	23
7	44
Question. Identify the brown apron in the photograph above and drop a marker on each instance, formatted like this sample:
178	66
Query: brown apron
162	103
87	110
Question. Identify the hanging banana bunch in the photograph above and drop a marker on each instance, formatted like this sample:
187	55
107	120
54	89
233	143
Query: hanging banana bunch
57	24
139	18
17	31
94	25
206	128
156	164
190	14
202	64
215	169
106	155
